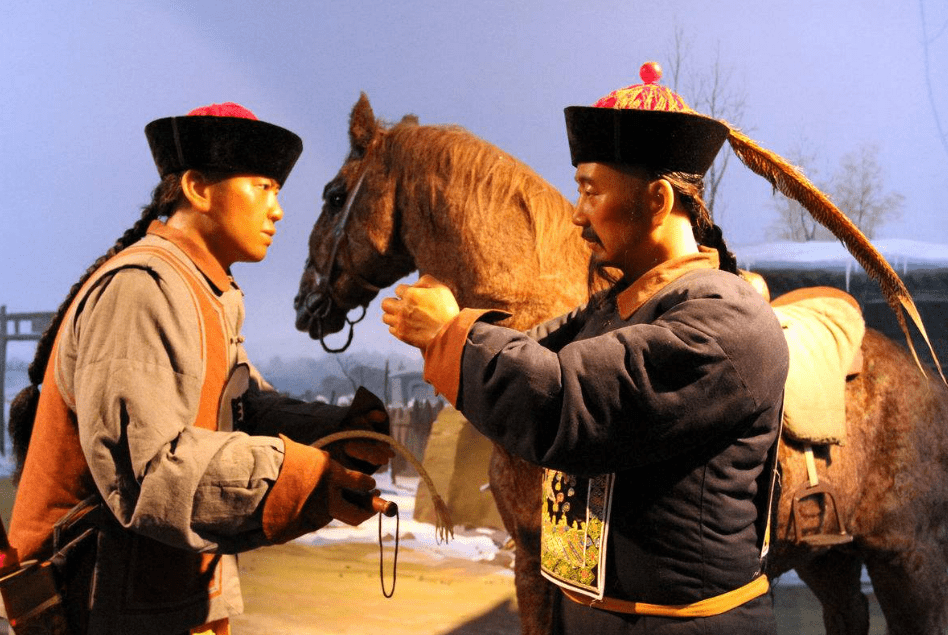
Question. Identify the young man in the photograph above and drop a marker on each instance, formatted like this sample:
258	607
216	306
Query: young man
654	408
151	409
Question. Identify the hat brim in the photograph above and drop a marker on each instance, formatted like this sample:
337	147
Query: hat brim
657	139
228	144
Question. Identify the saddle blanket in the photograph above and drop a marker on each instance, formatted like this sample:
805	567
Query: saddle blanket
824	328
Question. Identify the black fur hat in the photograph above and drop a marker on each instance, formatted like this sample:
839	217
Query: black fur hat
223	137
644	124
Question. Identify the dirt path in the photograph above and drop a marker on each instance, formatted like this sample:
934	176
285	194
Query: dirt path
303	590
297	589
336	589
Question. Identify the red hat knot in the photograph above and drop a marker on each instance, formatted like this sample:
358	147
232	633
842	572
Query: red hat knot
226	109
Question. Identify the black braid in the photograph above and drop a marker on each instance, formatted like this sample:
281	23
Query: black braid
714	238
166	198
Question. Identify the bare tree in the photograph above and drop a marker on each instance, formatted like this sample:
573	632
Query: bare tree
372	378
346	373
677	58
714	94
858	191
927	41
794	222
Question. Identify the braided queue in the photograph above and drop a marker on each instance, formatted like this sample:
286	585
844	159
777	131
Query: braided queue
165	199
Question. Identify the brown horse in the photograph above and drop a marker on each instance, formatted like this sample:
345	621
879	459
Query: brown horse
441	201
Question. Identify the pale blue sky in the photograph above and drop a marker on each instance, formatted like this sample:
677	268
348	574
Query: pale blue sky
81	80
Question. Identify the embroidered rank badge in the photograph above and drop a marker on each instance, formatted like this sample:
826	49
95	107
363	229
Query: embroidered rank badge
574	530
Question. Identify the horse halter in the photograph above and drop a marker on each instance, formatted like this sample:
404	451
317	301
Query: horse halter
322	289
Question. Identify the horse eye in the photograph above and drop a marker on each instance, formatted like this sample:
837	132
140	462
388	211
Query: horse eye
335	196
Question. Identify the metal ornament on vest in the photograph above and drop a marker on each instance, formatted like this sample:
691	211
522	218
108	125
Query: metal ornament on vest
644	124
223	137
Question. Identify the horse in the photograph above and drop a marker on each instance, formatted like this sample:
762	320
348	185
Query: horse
440	200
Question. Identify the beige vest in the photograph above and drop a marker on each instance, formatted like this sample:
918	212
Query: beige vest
171	576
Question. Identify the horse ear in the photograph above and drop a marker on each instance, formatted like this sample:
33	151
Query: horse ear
410	119
362	126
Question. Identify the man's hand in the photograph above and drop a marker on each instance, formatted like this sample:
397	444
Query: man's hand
337	479
369	455
418	312
376	453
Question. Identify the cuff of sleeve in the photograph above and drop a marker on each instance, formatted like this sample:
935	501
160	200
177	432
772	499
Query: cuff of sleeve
444	352
283	511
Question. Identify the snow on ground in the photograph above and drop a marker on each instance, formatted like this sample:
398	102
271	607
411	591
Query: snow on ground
7	463
483	544
478	544
902	254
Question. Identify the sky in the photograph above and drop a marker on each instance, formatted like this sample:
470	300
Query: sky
81	80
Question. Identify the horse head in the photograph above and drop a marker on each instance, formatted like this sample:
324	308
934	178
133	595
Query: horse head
354	250
441	200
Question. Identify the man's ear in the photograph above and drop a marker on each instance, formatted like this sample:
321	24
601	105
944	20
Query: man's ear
661	198
196	188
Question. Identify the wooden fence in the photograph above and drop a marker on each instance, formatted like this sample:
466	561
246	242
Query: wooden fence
411	426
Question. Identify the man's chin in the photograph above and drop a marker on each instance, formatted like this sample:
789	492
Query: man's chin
598	259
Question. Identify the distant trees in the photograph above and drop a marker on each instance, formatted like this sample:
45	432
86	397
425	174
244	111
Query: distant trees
857	188
713	93
859	191
794	221
334	377
356	374
928	39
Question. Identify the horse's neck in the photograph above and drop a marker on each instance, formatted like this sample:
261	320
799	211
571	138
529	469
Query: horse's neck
491	255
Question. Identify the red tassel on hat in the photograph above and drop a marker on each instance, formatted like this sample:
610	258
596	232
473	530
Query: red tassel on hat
226	109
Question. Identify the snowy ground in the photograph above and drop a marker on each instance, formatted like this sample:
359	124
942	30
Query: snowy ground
6	464
474	544
481	544
484	545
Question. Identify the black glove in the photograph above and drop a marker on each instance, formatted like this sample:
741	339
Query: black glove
366	412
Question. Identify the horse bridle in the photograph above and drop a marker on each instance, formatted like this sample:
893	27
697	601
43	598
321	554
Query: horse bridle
323	283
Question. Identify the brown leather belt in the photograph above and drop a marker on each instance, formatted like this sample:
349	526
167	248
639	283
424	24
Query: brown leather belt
704	608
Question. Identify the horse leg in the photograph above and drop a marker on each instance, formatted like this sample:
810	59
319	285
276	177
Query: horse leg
516	487
912	589
834	579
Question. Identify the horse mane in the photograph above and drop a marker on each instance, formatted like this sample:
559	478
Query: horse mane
495	183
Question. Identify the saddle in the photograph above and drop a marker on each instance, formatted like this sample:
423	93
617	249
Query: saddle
824	328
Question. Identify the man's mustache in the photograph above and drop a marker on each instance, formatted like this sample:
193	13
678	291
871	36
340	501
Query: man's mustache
589	235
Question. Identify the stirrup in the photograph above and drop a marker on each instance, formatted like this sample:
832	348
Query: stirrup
820	538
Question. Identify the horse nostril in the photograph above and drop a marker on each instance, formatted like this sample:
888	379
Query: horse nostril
313	300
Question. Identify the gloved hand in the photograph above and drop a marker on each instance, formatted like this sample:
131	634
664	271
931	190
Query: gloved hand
333	486
367	412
